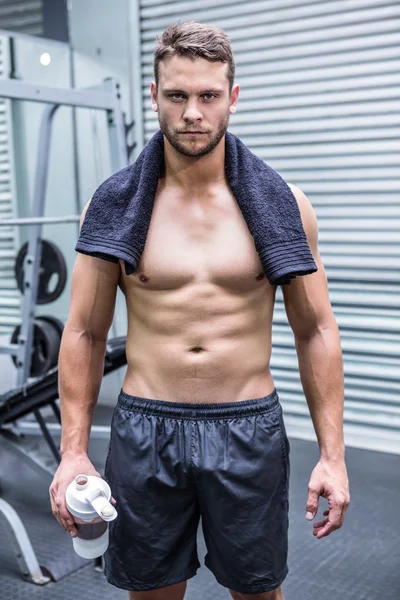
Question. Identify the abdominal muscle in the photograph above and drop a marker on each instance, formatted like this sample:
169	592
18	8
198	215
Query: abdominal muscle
199	306
182	352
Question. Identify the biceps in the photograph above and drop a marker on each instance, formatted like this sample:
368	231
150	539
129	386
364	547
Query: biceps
93	291
307	303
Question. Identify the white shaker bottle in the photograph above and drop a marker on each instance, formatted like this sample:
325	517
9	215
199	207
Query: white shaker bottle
88	500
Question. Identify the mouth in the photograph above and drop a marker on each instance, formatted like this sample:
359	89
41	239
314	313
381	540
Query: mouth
192	132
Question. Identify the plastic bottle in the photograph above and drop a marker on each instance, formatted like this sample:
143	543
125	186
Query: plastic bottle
88	500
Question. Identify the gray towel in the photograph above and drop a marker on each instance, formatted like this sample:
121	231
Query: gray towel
118	217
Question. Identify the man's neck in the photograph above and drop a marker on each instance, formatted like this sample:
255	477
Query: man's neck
194	174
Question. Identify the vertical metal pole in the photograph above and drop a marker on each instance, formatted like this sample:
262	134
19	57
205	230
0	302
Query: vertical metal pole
46	433
119	160
78	204
33	256
116	128
135	75
12	144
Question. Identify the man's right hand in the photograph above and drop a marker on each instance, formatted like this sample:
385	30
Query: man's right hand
70	466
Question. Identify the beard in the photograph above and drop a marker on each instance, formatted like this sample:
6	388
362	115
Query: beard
174	138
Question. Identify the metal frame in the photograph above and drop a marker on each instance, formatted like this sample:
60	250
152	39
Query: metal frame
105	97
42	220
135	67
26	557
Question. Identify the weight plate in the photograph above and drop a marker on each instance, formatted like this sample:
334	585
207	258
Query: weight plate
52	272
45	347
59	325
53	337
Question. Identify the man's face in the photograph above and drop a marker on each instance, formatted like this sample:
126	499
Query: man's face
193	103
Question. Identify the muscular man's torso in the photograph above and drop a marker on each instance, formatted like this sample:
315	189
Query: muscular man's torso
199	305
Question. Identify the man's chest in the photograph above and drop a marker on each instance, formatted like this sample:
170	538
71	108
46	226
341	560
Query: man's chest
190	242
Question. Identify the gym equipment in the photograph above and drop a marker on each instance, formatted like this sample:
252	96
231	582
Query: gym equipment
43	391
105	97
57	324
45	347
52	266
20	403
39	220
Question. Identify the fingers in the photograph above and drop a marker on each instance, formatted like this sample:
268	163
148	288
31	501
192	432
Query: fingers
329	480
333	522
320	524
65	518
64	475
312	502
59	510
330	524
335	513
61	513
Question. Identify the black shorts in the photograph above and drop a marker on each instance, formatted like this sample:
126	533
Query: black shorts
170	463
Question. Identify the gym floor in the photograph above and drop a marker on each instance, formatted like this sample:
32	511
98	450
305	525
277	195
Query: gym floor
359	562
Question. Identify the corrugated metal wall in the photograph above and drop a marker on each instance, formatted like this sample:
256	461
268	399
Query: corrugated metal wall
319	102
10	302
23	16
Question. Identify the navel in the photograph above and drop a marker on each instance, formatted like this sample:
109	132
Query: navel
196	349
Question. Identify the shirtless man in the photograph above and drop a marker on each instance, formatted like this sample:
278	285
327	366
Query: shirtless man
198	427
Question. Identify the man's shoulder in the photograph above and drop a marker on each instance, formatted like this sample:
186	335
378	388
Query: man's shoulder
307	213
303	202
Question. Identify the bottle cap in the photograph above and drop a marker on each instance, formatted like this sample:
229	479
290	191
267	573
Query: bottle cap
87	496
101	505
107	511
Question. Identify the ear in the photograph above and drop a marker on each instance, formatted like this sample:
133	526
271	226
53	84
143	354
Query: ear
153	91
234	99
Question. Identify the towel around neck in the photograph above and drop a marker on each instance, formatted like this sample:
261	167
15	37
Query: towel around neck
118	218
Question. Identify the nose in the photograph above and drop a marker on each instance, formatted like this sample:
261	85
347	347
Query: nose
192	113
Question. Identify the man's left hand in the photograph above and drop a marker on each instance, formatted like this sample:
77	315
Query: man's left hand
329	480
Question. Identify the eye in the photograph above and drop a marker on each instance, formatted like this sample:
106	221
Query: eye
209	96
175	96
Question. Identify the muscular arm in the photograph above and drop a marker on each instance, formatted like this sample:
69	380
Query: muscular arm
83	346
320	361
317	343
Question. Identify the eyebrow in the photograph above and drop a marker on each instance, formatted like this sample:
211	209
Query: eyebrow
177	91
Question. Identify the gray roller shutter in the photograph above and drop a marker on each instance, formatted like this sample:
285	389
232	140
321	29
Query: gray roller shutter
23	16
319	102
9	295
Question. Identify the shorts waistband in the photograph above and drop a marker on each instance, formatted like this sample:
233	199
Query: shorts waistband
183	410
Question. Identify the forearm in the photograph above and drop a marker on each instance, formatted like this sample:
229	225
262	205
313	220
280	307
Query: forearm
321	372
81	367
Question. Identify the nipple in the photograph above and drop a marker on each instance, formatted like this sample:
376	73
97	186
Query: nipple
143	278
260	276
